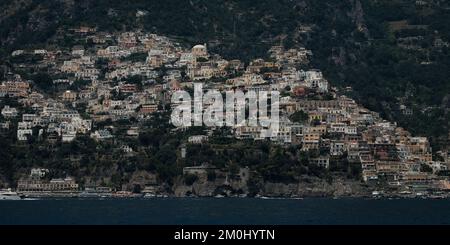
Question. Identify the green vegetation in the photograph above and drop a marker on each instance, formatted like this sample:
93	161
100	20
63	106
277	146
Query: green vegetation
426	168
136	57
43	81
299	117
383	72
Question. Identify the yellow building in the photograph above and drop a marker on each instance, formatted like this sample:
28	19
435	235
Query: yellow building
69	96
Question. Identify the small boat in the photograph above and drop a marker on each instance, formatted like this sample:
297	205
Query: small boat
436	197
9	195
149	195
376	193
161	196
30	199
122	194
87	194
405	193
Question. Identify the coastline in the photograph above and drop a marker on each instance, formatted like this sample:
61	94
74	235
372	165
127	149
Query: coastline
112	196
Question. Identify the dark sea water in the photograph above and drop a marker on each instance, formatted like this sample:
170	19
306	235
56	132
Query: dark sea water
225	211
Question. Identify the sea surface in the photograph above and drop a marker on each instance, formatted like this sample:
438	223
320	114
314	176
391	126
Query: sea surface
201	211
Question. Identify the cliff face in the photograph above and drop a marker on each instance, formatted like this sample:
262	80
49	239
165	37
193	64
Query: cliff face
222	184
316	188
310	187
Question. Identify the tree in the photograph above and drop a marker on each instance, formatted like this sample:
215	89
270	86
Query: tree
43	81
202	59
299	117
425	168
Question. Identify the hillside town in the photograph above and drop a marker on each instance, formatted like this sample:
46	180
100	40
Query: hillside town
131	76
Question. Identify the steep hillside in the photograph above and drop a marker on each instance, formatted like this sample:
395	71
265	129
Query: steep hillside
395	54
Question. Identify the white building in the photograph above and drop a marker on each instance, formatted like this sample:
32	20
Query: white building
200	51
78	50
17	52
38	172
9	112
23	134
40	51
197	139
102	134
337	148
68	136
321	161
